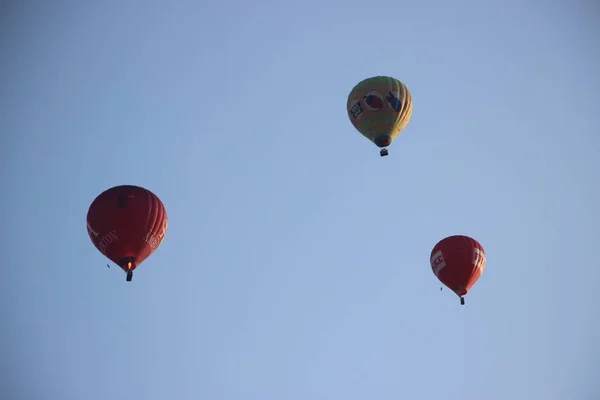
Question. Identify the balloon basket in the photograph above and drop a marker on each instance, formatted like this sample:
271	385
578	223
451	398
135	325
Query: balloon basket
462	301
129	276
383	152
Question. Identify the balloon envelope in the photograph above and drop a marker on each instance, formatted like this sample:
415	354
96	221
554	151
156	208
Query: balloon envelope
380	108
458	262
127	224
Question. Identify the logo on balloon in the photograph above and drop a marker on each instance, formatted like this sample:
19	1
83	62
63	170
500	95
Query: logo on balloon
437	262
373	101
356	109
107	239
478	258
91	231
393	99
154	239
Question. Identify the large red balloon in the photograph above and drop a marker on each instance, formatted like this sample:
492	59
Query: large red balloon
127	224
458	262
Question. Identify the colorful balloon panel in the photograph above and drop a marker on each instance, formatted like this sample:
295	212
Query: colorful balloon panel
380	108
127	224
458	262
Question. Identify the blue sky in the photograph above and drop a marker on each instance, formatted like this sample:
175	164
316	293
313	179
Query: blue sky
296	265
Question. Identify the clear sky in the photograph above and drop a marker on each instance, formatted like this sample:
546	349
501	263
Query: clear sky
296	264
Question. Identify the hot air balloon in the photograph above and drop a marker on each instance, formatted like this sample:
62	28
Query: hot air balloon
458	262
380	108
127	224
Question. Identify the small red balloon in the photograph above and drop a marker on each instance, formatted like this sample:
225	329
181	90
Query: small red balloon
127	224
458	262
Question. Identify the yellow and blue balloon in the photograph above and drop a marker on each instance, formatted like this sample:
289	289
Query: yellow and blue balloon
380	108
